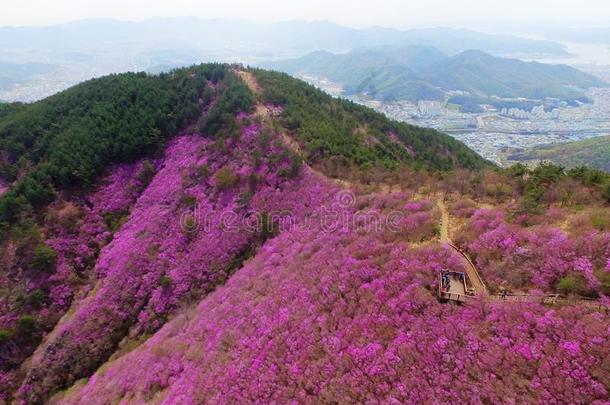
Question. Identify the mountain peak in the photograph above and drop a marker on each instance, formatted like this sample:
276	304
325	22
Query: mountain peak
232	234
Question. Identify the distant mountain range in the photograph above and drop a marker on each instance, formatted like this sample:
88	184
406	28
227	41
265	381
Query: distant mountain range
93	48
594	152
420	72
258	39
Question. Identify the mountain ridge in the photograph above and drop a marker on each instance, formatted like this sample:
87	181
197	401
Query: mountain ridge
293	34
474	71
261	241
68	220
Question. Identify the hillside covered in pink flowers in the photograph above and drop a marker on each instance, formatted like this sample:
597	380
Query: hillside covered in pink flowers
273	245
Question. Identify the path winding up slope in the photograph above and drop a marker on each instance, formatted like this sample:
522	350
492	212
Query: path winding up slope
473	275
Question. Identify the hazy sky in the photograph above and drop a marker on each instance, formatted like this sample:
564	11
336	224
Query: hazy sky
358	13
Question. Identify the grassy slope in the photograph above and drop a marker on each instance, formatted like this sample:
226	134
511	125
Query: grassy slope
594	152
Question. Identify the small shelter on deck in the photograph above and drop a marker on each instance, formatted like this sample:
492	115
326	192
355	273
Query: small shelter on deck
452	286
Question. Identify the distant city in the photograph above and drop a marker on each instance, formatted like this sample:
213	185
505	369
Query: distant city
494	133
64	76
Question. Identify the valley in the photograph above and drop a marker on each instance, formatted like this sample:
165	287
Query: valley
492	132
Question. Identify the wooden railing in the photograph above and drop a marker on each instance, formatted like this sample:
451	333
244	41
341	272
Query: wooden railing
472	266
551	299
453	296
